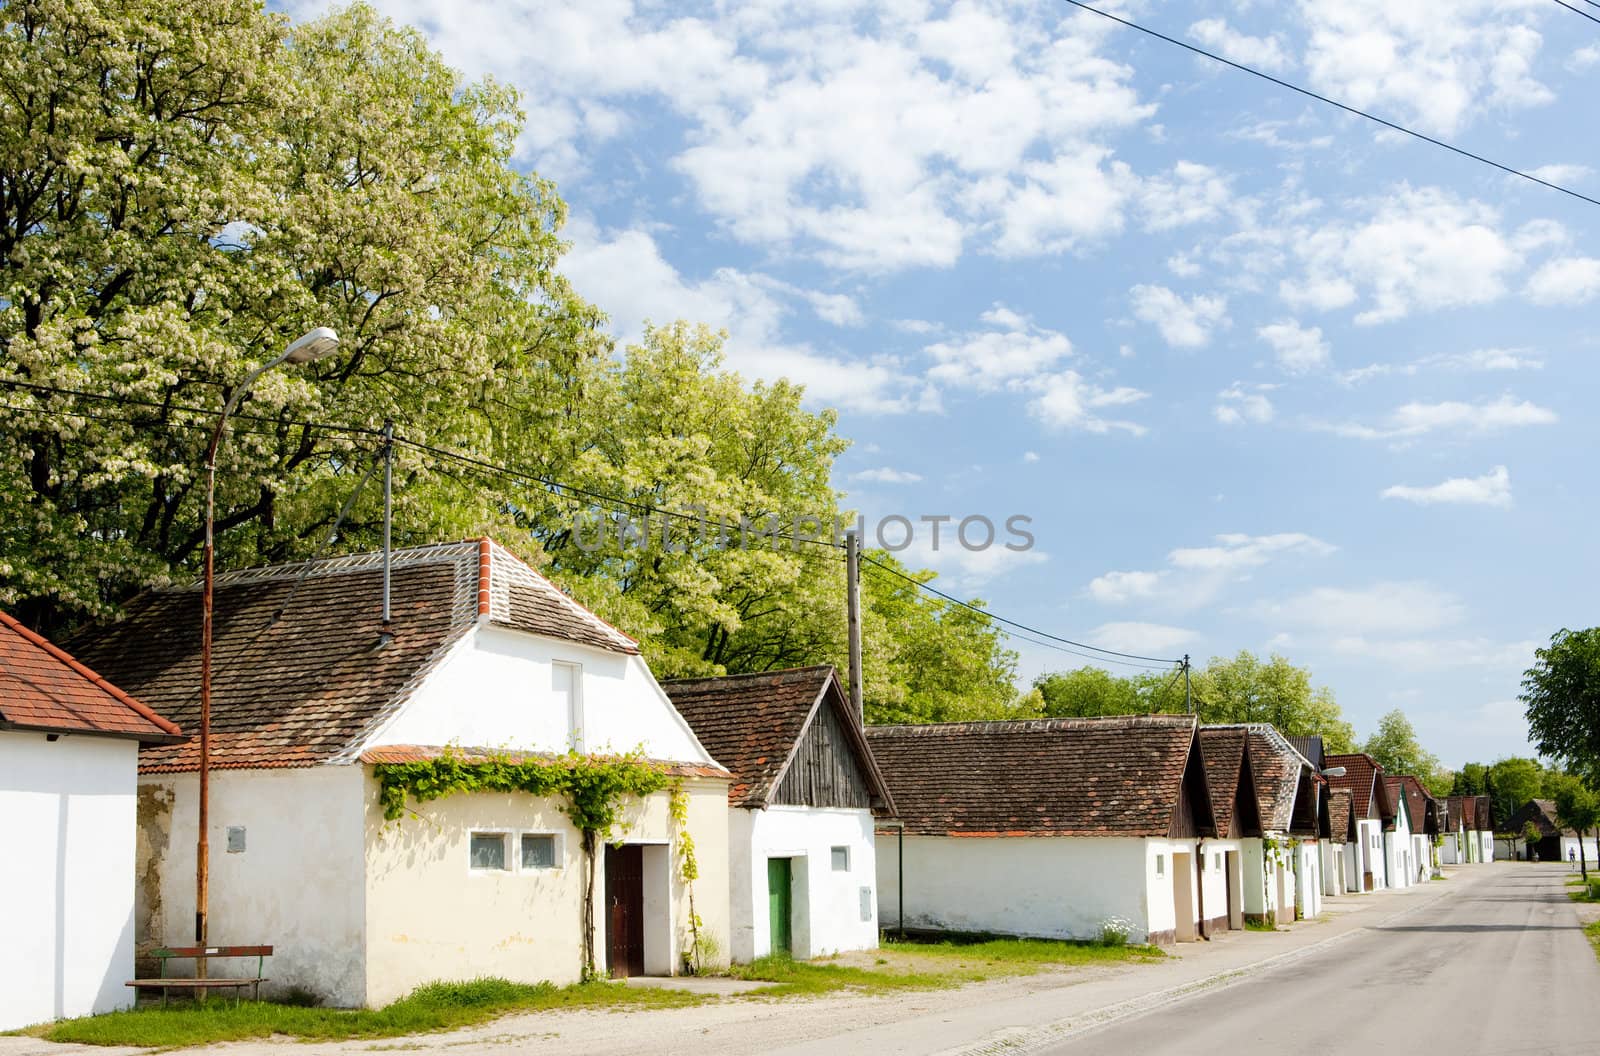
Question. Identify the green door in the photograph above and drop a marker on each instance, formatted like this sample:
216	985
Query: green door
779	902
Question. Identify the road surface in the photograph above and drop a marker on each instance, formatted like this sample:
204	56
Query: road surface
1501	968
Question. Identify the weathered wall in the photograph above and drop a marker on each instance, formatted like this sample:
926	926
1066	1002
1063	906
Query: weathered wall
1398	853
429	916
67	812
827	904
1214	877
297	886
1368	857
1044	887
508	677
1308	878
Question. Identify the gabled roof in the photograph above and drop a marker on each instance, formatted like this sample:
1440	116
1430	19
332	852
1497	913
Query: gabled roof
297	674
1397	795
1361	777
1120	776
45	688
1229	777
753	723
1483	811
1310	746
1542	812
1341	821
1456	812
1281	773
1420	804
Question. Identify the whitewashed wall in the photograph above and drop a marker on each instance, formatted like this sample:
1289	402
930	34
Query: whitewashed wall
1307	868
1334	872
1214	878
1370	855
1421	857
827	905
1450	851
430	916
297	886
1569	849
508	679
1399	854
1043	887
66	936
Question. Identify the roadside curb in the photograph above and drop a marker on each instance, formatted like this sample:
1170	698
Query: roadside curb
1011	1041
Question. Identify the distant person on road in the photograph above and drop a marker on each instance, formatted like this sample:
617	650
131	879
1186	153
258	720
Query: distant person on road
1572	856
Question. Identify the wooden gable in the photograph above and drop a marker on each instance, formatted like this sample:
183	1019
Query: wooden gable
826	768
1193	816
1246	821
1306	820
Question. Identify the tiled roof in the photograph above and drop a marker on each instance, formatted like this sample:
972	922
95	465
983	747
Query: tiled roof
1277	768
422	753
1339	819
1359	778
751	724
1310	746
297	677
1222	748
1456	812
43	687
1483	810
1044	777
1417	800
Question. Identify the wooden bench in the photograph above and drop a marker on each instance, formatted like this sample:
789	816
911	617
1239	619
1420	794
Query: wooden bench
205	953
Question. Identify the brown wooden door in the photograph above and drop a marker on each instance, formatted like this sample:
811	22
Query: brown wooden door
625	910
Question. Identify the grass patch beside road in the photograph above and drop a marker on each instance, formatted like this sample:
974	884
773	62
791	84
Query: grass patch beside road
434	1007
900	966
1593	931
1581	893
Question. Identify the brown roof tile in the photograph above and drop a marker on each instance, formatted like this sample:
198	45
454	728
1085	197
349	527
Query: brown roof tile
43	687
1483	811
1222	748
751	724
1360	777
1278	770
297	677
1045	777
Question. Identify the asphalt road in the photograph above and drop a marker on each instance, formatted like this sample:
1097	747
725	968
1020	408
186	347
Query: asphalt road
1501	968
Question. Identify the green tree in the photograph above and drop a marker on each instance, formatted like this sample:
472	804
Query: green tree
1395	748
1561	693
1578	809
1244	689
1512	782
1470	780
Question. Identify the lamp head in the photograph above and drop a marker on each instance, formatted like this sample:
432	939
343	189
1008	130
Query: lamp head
319	343
1334	771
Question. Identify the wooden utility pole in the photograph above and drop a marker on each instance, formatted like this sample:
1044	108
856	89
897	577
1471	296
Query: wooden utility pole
1188	694
852	580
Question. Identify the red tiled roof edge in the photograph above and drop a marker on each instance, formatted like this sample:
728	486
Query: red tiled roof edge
485	548
77	666
423	753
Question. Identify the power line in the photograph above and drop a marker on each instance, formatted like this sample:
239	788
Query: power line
1580	11
1196	49
1163	662
210	412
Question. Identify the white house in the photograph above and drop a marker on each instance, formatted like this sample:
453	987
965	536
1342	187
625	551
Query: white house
1054	828
1282	872
1480	835
1423	811
1339	844
1399	850
315	700
803	871
69	743
1366	865
1556	842
1235	807
1453	831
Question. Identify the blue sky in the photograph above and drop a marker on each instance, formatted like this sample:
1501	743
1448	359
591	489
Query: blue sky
1263	375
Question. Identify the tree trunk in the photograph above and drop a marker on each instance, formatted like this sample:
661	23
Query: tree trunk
1583	863
590	840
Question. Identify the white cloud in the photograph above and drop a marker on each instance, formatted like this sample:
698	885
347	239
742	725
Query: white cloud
1144	639
625	272
1584	57
1237	405
1298	348
1384	608
1477	360
990	359
1491	489
1191	194
964	572
1236	551
1030	456
1182	323
1066	401
886	475
1561	173
1437	66
1565	281
1419	249
1416	419
1437	654
1264	53
1117	587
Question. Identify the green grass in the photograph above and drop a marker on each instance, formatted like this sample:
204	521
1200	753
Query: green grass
902	966
1251	924
1580	893
1593	931
434	1007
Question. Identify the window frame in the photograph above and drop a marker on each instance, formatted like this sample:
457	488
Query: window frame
504	836
557	852
834	851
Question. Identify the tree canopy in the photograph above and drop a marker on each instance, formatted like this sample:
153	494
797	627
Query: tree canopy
1561	693
1394	746
188	187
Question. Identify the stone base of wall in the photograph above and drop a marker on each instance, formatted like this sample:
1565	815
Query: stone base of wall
1216	925
1163	938
1259	919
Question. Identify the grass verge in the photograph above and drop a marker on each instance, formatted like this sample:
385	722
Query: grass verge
1252	924
901	966
434	1007
1582	893
1593	931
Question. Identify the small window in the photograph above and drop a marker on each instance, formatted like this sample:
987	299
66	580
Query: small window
1217	860
1161	865
235	839
488	851
538	851
841	859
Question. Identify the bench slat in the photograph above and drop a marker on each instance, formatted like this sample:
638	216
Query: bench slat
212	951
179	984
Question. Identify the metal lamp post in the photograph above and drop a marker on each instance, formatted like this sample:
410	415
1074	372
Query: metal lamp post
308	348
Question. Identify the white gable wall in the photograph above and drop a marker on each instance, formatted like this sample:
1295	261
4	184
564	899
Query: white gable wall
1398	852
827	905
68	810
496	689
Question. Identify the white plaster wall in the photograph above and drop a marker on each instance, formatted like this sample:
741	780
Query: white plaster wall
298	886
1370	839
1334	873
1307	865
1421	857
828	918
1450	849
1569	849
1061	888
496	689
1214	876
430	917
1485	846
1397	848
66	936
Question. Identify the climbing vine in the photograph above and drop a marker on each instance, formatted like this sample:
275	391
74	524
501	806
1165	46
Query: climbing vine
595	790
700	944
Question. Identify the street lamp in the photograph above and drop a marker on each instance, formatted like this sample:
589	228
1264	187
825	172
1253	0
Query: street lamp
311	346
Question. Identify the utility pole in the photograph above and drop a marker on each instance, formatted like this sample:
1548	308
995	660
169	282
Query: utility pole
1188	693
852	580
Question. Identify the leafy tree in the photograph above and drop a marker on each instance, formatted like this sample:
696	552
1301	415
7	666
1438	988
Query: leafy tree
1512	782
1561	693
1470	780
1395	748
1531	835
1244	689
1088	691
1578	809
